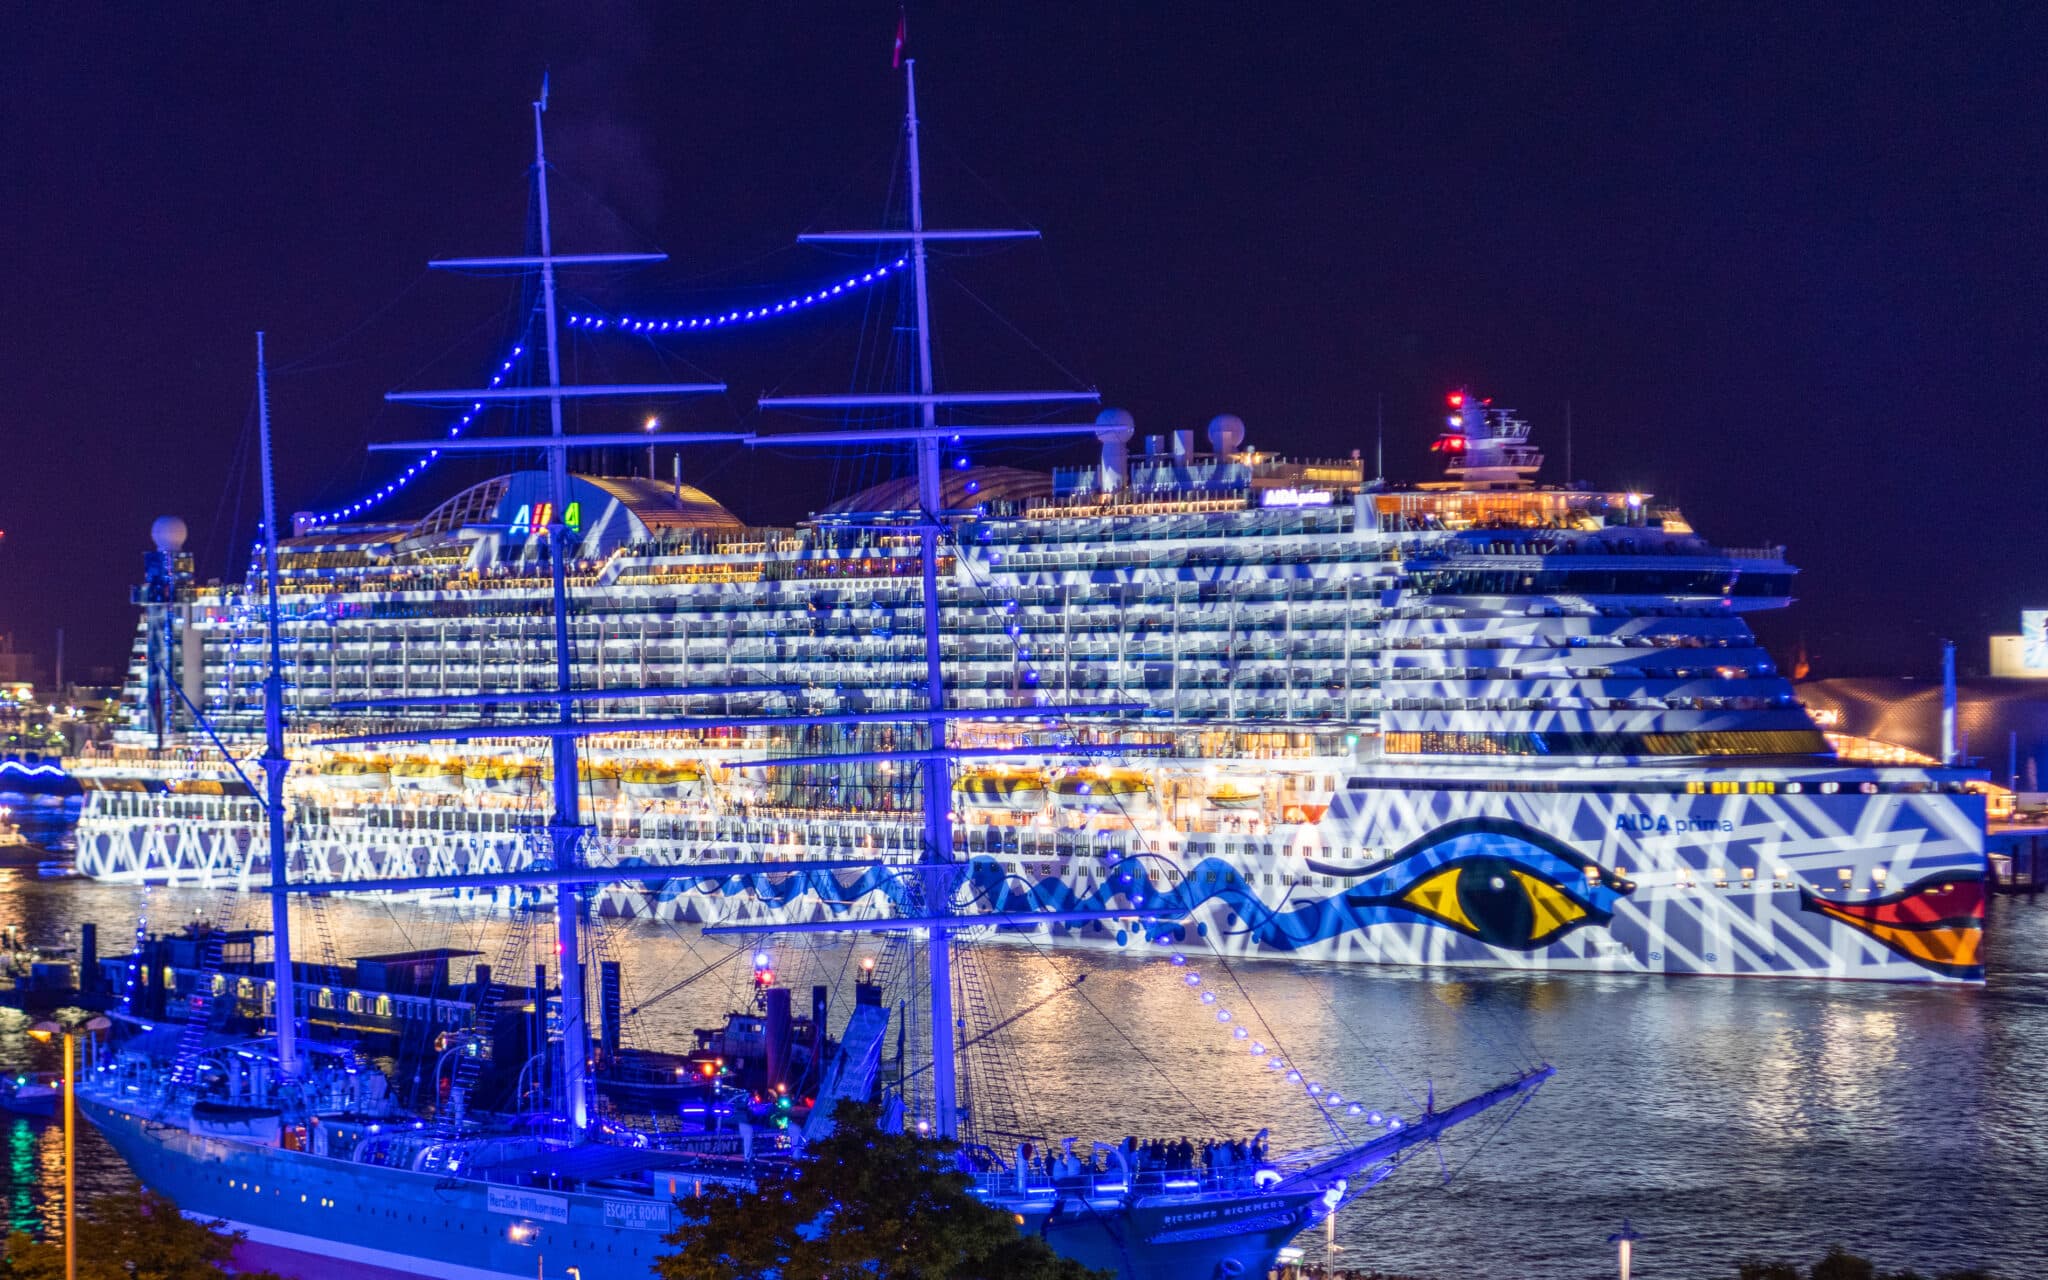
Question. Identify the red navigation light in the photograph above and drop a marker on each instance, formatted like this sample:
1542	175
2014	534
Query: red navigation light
1456	399
1456	444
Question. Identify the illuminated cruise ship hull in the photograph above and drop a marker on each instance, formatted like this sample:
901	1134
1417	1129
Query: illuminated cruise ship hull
1793	873
1435	871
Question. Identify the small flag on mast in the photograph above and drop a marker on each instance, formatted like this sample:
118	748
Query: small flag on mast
897	61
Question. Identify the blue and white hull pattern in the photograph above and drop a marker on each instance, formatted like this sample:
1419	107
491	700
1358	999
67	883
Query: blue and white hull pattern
1618	869
1600	873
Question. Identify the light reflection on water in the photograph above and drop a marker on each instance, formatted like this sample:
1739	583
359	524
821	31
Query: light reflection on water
1722	1117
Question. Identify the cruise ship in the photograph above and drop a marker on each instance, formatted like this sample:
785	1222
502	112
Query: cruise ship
1479	720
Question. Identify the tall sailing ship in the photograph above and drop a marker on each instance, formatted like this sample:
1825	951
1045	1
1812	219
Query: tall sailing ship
1479	720
302	1142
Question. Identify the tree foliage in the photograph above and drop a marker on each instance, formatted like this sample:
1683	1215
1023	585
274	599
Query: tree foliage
130	1235
862	1205
1840	1264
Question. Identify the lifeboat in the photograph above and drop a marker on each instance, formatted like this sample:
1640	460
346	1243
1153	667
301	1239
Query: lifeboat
501	776
356	773
600	778
1018	792
741	786
650	780
200	787
424	773
1118	793
1233	794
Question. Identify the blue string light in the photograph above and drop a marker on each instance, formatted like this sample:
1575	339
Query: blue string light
1327	1101
420	464
632	324
622	324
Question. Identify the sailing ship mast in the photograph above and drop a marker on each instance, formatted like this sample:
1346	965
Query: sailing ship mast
938	870
275	764
565	825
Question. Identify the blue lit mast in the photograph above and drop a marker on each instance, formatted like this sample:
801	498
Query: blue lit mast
565	825
275	764
938	872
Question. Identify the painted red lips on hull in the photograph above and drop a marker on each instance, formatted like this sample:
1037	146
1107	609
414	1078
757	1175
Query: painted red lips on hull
1937	923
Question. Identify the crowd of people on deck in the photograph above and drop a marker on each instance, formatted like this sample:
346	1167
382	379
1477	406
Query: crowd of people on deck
1179	1155
1222	1157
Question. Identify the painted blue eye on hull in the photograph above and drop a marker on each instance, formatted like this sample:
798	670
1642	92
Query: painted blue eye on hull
1545	890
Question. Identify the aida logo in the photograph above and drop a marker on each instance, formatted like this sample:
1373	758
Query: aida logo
1657	824
535	518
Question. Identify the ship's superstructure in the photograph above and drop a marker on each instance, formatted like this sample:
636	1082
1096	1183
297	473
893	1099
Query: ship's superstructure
1336	671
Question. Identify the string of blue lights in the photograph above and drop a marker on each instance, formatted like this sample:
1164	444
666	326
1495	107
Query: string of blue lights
421	463
594	322
1327	1101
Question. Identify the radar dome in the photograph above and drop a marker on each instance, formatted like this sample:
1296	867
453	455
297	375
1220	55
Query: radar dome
1226	434
169	534
1115	424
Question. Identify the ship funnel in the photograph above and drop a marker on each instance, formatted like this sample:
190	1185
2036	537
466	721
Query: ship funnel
1183	446
1226	434
1114	428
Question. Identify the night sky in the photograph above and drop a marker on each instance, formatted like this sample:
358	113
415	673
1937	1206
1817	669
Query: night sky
1785	263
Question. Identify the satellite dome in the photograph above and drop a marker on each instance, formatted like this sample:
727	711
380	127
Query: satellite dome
169	534
1226	433
1115	424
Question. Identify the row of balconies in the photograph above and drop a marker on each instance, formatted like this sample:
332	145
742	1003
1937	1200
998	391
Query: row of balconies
800	626
1169	560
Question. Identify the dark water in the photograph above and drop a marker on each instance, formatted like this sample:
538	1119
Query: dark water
1723	1117
45	821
